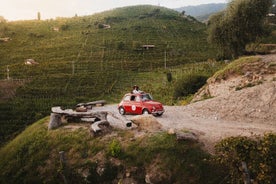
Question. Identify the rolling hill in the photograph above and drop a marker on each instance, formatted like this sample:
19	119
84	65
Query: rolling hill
94	57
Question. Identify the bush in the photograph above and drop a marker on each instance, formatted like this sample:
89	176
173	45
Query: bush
65	27
114	148
100	26
108	174
120	45
169	76
259	155
188	85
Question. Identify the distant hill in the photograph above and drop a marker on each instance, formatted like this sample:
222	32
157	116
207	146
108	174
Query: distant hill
203	11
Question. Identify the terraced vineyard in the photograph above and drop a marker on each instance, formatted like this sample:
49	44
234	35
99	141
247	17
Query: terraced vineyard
96	57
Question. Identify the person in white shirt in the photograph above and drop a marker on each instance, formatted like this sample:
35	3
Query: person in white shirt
136	89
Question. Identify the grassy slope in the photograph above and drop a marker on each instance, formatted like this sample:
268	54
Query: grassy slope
107	62
33	157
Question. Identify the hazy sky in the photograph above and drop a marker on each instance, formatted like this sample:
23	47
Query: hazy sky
27	9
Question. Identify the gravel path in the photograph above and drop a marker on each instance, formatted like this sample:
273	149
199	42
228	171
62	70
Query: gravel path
209	129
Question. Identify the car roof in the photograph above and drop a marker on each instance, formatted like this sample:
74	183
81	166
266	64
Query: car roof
136	94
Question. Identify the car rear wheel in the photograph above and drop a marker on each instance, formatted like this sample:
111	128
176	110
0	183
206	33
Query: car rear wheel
122	111
145	111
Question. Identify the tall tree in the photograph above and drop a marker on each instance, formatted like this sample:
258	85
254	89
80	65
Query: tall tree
240	23
38	16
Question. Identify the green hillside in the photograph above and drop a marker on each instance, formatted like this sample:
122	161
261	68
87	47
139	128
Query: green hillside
95	57
33	157
82	39
128	156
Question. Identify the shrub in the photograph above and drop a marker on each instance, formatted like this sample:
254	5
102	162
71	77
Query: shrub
259	155
120	45
65	27
189	84
169	76
108	174
100	26
114	148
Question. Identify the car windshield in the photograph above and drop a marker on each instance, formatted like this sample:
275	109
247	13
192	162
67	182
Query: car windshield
146	97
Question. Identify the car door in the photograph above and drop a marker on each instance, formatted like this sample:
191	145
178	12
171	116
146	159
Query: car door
131	106
127	103
136	106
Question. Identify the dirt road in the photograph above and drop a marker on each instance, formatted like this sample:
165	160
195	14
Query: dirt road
209	129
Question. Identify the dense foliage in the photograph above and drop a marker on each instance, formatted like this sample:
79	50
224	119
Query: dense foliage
241	23
258	154
189	85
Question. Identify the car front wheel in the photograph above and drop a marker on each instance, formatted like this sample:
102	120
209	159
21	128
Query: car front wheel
122	111
145	111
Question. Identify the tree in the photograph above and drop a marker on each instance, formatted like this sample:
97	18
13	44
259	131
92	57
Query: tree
2	19
38	16
240	23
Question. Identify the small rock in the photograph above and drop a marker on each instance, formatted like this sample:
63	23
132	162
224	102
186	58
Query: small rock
171	131
146	122
55	121
128	174
81	109
186	136
147	179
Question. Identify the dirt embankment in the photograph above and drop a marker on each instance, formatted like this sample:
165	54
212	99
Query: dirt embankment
238	105
248	97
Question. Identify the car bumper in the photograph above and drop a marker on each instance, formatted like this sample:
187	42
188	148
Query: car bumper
157	111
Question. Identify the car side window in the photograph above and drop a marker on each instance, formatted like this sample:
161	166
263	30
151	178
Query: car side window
132	98
146	97
138	99
127	98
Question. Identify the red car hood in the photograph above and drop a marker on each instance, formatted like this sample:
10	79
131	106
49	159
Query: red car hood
154	103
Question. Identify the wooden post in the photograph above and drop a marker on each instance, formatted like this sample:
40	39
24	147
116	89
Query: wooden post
73	67
62	158
63	165
8	73
246	176
165	60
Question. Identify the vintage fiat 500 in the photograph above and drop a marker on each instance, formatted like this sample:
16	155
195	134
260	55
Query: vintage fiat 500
140	103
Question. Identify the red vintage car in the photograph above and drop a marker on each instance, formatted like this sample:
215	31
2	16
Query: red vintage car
140	103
